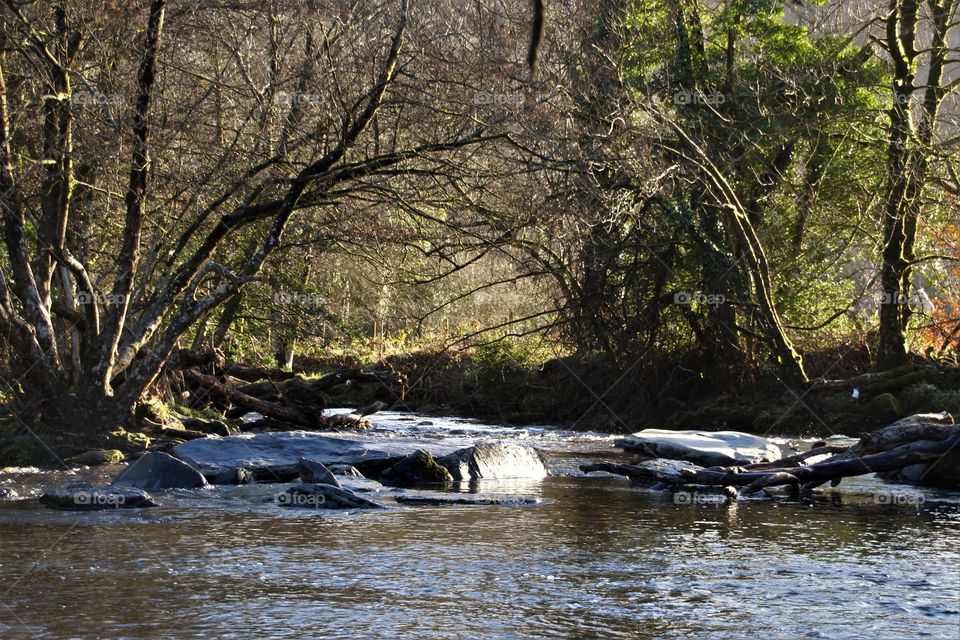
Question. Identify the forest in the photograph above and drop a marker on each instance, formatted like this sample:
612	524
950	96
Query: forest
608	214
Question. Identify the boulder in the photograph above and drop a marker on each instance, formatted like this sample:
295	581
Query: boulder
494	460
85	497
323	496
706	448
416	468
156	470
279	452
944	473
97	457
313	472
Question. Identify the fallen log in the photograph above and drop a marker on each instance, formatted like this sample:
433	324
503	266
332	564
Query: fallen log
286	412
896	458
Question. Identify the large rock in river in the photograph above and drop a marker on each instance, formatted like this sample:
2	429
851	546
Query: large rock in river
156	470
494	460
280	452
416	468
706	448
85	497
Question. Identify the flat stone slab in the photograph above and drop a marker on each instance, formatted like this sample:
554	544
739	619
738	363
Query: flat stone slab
455	500
286	448
86	497
706	448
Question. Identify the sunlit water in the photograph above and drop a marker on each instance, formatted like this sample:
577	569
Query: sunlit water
597	558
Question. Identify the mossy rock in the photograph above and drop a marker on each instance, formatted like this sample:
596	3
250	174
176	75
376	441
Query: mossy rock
97	457
128	441
883	409
416	468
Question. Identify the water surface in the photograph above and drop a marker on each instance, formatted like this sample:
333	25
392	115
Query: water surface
598	558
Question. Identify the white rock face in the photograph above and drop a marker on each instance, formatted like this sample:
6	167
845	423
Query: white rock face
706	448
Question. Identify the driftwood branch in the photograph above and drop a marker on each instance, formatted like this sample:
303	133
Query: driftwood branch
914	440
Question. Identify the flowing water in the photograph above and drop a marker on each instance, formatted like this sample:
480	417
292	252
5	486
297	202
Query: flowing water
596	558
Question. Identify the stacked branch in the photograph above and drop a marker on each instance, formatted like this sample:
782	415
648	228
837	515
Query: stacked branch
917	439
282	396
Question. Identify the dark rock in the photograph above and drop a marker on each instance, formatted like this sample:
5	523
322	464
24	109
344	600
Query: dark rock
157	470
313	472
212	427
344	470
238	475
97	457
494	460
85	497
416	468
281	451
323	496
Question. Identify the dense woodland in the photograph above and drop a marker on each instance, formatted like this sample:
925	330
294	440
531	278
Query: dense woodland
612	207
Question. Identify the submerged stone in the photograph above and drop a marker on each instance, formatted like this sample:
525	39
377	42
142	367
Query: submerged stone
323	496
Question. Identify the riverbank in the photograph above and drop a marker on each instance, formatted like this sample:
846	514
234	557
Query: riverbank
510	384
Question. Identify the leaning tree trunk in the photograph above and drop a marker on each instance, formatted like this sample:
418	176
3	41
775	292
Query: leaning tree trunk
913	125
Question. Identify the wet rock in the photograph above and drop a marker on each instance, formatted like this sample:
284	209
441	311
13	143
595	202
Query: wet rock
454	499
279	452
313	472
157	470
345	470
237	475
97	457
323	496
706	448
85	497
6	493
494	460
416	468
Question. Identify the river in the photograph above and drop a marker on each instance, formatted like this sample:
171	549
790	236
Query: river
595	558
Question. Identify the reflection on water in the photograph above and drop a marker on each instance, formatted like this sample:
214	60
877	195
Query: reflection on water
597	559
